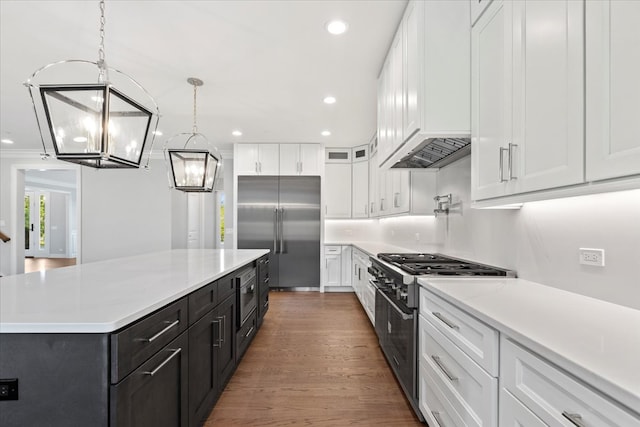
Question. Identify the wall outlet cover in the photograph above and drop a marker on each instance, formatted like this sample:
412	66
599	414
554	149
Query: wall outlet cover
592	256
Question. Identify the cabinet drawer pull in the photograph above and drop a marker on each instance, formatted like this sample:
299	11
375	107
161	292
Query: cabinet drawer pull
511	147
218	341
444	320
436	415
224	328
575	419
156	336
501	164
443	368
249	333
395	360
266	304
167	360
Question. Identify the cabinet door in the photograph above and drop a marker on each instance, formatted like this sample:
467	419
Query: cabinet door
204	337
333	271
345	266
548	100
337	190
289	159
383	198
411	27
360	190
310	159
384	146
514	413
269	159
397	91
246	159
374	206
491	46
226	350
613	89
155	394
400	191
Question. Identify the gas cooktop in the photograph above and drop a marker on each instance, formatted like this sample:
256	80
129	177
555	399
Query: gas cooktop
440	265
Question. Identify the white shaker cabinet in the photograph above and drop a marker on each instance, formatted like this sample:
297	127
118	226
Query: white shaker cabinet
612	89
337	191
332	265
257	159
374	206
360	182
527	97
300	159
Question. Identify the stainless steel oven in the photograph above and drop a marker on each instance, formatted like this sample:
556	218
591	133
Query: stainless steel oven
247	294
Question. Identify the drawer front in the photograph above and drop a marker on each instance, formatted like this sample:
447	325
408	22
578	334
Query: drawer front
226	286
246	334
155	394
472	390
138	342
435	407
333	250
478	340
514	414
554	396
202	301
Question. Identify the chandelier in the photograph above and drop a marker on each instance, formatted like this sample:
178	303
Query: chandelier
193	163
94	115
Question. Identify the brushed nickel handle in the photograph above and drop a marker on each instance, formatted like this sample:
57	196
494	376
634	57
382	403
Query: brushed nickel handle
281	230
222	333
249	333
443	368
160	366
511	148
575	419
260	167
275	231
218	340
444	320
436	415
256	166
395	360
372	207
396	200
501	164
156	336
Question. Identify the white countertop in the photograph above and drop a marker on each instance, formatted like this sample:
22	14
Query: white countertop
104	296
597	341
374	248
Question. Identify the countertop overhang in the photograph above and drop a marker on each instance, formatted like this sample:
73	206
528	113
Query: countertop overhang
101	297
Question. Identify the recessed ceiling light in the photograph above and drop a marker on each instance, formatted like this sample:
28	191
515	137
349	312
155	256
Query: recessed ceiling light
337	27
326	133
7	141
236	133
157	132
329	100
80	139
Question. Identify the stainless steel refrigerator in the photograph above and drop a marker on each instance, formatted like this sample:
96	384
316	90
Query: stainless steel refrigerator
282	213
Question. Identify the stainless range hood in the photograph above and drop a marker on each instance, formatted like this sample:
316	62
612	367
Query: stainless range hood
435	153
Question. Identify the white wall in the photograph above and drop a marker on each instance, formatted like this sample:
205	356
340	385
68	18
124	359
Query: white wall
540	241
125	212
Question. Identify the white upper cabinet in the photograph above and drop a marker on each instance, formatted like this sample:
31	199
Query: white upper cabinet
374	206
612	89
257	159
424	88
360	182
527	108
477	7
337	193
300	159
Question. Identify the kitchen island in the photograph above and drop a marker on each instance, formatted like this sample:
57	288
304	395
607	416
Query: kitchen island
115	342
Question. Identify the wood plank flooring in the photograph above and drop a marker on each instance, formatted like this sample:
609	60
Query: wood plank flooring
315	361
40	264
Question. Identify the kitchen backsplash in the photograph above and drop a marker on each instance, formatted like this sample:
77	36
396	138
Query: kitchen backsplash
540	241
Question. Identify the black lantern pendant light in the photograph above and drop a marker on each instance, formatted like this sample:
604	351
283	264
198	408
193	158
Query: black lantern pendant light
194	164
95	117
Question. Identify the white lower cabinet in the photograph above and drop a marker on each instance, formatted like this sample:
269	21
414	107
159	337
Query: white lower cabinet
515	414
453	383
364	290
337	265
555	397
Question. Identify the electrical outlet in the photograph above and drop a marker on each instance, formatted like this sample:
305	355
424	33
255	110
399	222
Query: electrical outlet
591	256
9	389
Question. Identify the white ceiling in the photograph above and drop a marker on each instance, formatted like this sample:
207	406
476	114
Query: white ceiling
266	64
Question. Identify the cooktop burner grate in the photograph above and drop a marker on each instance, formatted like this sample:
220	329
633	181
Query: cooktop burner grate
439	265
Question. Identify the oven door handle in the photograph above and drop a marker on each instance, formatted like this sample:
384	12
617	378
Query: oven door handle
404	315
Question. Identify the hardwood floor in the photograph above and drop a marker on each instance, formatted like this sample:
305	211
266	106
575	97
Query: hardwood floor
315	361
39	264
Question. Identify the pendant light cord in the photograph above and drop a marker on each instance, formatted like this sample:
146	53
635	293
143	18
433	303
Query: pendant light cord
195	126
102	66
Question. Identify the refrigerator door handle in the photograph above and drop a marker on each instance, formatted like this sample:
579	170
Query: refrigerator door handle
281	230
275	231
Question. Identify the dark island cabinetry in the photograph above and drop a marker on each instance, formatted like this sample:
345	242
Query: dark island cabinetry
167	368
